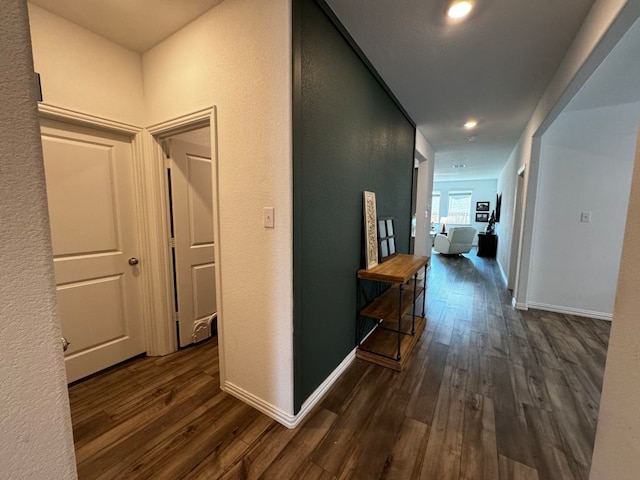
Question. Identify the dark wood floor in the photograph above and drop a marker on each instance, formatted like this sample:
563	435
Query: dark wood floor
489	393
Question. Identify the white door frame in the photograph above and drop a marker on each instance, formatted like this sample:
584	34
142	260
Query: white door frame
151	216
191	121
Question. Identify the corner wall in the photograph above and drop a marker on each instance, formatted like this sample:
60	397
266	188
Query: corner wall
586	166
617	449
85	72
603	27
425	154
237	57
35	429
349	136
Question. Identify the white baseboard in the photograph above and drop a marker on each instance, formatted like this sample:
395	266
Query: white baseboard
519	305
504	276
259	404
317	395
572	311
287	419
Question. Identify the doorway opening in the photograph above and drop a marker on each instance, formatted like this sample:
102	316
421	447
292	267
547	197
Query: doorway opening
188	164
517	230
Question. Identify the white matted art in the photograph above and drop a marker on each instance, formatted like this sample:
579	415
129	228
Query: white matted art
370	230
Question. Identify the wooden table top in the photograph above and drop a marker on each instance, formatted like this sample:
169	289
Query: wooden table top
398	269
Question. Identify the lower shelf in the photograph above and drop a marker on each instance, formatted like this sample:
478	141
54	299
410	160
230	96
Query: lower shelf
382	345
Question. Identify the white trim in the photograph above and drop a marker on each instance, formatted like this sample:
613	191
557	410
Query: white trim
72	116
522	169
517	305
183	123
504	275
286	419
154	232
572	311
147	180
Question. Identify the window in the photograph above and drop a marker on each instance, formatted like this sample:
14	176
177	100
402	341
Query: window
435	207
459	208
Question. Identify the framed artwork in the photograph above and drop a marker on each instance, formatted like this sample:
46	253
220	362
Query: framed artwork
498	206
386	238
482	217
370	230
482	206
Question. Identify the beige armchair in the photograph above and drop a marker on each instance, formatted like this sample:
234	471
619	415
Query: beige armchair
458	240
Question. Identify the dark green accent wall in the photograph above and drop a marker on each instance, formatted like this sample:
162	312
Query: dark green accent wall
349	135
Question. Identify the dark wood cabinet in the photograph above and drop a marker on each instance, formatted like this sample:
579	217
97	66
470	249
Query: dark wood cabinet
487	245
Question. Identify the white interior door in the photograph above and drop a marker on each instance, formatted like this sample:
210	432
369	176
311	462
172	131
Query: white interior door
192	201
89	175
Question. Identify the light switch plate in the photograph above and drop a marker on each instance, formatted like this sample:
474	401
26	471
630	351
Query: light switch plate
585	217
268	217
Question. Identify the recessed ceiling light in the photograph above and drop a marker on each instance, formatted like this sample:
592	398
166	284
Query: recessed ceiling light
460	165
459	9
470	124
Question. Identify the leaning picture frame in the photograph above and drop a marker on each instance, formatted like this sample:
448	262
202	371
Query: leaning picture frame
370	230
386	239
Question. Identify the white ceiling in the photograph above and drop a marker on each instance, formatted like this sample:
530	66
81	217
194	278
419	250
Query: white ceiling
615	81
493	66
135	24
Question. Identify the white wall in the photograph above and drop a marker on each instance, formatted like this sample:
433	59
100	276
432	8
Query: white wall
605	24
84	72
586	165
238	57
426	162
483	191
617	446
506	227
35	429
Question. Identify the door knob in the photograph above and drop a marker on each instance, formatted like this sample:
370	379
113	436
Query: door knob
65	344
133	261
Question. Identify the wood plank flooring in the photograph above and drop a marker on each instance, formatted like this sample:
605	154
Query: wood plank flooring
488	393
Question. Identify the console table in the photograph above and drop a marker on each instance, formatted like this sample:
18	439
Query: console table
393	289
487	245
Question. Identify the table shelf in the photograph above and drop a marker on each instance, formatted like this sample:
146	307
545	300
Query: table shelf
385	307
396	332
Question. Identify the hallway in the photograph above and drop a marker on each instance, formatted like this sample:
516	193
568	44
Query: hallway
489	393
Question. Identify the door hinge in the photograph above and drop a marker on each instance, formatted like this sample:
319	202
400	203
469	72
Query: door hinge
172	242
177	316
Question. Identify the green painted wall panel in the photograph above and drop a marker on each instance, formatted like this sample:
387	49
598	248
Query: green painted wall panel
349	136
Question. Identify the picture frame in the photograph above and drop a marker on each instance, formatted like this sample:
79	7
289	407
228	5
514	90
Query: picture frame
482	206
386	239
370	229
498	206
482	217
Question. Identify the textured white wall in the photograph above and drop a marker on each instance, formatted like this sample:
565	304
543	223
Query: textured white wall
602	28
506	227
586	165
426	157
617	448
238	57
85	72
35	433
483	190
